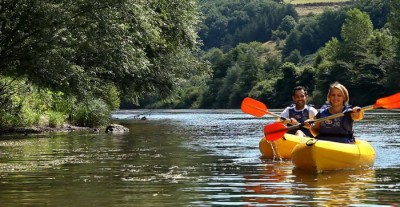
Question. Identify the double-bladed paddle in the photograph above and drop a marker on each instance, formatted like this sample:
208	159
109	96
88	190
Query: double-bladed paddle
257	108
276	130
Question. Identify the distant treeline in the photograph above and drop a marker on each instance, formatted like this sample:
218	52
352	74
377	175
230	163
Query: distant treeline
261	49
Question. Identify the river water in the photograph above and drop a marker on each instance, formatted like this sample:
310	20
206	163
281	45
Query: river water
189	158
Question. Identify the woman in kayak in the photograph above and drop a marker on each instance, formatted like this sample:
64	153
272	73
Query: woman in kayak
339	129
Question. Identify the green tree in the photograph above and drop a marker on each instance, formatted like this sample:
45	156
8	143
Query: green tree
83	47
285	85
359	62
99	52
287	24
314	31
378	10
294	57
357	28
235	73
394	66
292	43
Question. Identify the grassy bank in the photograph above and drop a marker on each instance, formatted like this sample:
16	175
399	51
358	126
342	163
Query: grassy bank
305	7
314	1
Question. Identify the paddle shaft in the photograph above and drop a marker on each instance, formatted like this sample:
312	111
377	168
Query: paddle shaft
331	117
267	112
276	115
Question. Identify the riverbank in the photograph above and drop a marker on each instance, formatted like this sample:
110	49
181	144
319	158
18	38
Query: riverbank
38	130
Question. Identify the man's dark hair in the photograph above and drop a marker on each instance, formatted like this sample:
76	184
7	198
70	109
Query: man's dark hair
297	88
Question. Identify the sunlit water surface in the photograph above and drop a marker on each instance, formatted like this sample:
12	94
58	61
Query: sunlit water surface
189	158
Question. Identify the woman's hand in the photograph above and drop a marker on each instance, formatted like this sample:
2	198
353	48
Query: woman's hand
308	123
357	114
312	126
293	121
356	109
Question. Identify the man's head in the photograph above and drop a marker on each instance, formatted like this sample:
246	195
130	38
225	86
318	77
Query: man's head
300	96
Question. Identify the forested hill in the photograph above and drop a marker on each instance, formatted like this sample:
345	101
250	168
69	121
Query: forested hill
262	49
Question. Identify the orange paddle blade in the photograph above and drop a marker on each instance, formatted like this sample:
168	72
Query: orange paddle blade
274	131
253	107
389	102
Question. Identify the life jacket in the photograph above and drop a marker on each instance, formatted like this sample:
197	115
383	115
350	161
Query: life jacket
300	116
339	129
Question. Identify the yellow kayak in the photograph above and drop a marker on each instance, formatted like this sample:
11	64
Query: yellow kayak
320	155
281	148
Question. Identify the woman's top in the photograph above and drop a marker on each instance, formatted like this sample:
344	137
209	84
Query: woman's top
338	129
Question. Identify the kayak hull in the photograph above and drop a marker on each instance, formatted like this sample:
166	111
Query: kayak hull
281	148
320	155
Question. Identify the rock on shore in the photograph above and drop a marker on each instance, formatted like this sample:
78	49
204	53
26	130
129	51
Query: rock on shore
116	128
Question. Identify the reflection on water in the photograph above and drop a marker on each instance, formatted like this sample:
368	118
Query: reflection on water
339	188
188	158
277	183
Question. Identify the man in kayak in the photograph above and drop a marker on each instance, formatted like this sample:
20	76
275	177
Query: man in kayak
339	129
299	111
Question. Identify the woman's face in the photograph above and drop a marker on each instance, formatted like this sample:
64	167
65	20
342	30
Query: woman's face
336	98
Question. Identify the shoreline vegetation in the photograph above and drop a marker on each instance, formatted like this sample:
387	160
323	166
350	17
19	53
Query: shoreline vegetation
74	63
112	128
33	110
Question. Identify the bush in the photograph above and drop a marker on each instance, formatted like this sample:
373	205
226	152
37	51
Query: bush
62	103
112	97
91	113
24	105
7	120
56	119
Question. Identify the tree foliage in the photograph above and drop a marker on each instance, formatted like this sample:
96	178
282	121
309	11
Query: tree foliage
359	61
228	23
313	32
378	10
357	27
100	51
83	47
235	73
345	45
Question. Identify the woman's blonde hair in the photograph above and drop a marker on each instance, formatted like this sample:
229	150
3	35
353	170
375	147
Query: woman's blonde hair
342	89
